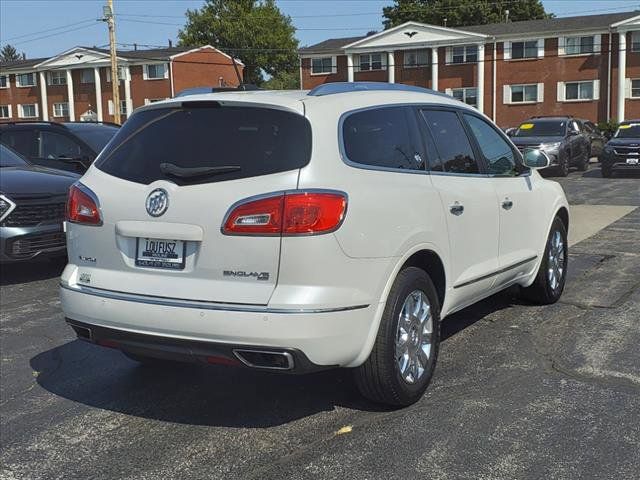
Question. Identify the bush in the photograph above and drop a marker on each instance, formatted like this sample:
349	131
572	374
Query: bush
608	128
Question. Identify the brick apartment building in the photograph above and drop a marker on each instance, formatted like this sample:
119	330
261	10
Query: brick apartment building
76	85
587	66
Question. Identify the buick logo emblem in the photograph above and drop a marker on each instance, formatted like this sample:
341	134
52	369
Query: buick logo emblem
157	202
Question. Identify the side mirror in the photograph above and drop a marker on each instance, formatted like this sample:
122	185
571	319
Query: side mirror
536	159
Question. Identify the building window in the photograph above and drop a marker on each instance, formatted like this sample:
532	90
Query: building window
415	58
523	93
57	77
28	110
4	81
463	54
635	88
122	74
5	111
635	41
370	61
86	76
322	65
61	109
123	107
466	95
26	79
155	71
579	91
579	45
528	49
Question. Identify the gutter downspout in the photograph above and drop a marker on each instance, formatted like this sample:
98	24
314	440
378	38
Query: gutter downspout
300	62
493	94
609	75
173	93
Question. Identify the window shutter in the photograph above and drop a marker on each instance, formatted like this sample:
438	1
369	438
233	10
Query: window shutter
383	59
145	72
507	51
596	89
129	106
448	91
19	110
36	108
627	88
561	42
541	92
597	39
110	107
506	94
449	55
166	70
334	64
356	63
146	101
540	47
561	91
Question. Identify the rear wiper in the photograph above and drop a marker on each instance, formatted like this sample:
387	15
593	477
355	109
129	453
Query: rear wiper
193	172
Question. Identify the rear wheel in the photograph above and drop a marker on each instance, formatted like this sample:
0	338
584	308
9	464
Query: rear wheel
404	355
583	166
552	273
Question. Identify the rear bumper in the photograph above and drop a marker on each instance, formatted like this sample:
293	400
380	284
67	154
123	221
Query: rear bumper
315	338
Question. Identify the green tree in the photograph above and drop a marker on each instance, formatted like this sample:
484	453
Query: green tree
284	80
9	53
461	13
253	30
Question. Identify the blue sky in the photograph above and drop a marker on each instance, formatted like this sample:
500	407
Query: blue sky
32	25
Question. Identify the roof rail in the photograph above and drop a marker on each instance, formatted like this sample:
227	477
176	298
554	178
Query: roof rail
201	90
346	87
552	116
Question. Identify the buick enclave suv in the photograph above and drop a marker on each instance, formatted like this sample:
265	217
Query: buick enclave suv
304	230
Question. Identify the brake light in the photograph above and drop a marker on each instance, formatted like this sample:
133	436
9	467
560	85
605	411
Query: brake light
81	206
288	214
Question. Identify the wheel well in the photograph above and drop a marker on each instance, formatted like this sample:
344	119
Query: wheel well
430	262
564	216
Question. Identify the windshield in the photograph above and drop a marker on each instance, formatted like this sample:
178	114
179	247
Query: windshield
96	136
202	142
629	130
9	158
546	128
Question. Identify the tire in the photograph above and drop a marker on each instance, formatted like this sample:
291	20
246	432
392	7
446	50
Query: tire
545	290
381	378
584	164
606	172
563	168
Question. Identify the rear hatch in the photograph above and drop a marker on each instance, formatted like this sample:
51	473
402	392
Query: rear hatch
165	184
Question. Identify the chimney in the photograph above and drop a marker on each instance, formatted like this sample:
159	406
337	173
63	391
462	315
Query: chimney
170	43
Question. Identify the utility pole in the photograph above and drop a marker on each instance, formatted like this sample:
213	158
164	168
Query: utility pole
107	12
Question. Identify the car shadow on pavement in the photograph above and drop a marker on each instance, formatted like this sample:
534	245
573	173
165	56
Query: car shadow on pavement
210	395
30	271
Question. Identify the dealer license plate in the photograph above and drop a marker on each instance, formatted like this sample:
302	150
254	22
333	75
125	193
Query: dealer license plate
160	253
632	161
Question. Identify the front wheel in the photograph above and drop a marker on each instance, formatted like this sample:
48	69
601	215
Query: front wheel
563	167
584	164
404	355
552	273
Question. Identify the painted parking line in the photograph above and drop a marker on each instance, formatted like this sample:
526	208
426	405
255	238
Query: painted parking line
587	220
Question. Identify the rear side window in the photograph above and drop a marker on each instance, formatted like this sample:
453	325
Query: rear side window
22	141
451	141
203	143
383	138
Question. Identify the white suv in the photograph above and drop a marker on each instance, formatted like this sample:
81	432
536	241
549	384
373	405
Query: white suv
305	230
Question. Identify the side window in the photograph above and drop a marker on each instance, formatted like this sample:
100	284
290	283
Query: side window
495	149
451	141
22	141
54	145
383	137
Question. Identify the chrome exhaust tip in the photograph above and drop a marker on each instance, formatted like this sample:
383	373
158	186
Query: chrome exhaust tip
265	359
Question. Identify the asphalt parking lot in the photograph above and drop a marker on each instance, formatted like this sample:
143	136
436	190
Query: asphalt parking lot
520	391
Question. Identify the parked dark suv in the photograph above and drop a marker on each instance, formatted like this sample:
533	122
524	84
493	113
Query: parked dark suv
562	138
70	146
622	152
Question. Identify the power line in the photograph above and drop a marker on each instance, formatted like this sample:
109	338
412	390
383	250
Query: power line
54	34
298	29
49	29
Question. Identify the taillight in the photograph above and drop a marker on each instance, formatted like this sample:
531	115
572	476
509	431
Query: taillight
81	206
288	214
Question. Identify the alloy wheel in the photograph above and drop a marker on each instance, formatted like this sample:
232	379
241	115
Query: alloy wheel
413	338
555	260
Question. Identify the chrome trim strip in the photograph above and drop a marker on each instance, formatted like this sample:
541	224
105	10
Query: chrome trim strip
497	272
12	206
185	303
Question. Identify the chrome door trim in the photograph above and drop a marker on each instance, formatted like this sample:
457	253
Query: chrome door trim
497	272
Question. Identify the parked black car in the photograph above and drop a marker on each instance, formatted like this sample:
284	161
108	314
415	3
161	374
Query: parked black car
562	138
32	206
71	146
622	152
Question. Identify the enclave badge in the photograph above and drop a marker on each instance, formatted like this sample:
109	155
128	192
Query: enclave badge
157	202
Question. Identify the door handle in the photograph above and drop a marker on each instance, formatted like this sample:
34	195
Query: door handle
507	204
456	209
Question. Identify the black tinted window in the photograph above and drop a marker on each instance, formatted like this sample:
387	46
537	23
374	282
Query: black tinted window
55	145
22	141
96	136
383	137
451	141
495	149
193	141
9	158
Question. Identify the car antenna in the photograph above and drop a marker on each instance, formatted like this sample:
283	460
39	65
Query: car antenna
235	67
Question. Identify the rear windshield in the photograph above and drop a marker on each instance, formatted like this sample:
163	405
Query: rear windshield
541	129
96	136
203	143
628	130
